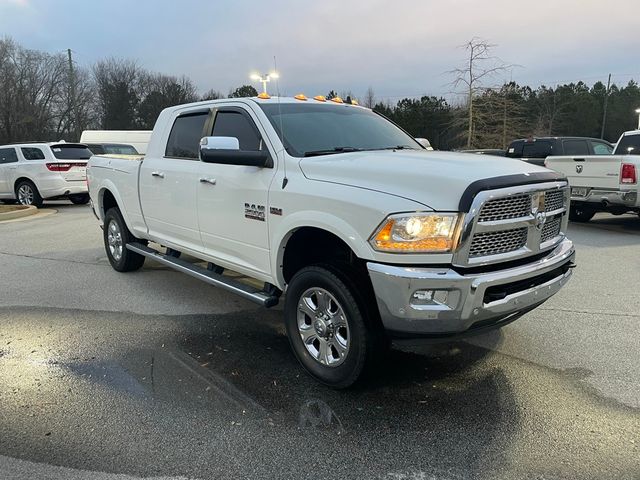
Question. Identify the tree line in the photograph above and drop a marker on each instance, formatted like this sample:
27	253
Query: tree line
46	96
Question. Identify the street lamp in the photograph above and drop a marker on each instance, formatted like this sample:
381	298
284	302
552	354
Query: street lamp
638	112
264	78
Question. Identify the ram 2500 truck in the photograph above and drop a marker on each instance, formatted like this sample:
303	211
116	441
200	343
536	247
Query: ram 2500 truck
603	183
369	236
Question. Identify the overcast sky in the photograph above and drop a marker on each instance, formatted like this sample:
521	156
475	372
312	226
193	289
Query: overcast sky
400	47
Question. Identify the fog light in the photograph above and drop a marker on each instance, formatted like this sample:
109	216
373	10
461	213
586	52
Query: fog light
429	297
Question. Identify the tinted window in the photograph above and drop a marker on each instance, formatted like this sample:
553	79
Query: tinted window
96	149
236	124
536	149
515	149
31	153
575	147
629	145
116	149
323	127
187	131
71	152
8	155
600	148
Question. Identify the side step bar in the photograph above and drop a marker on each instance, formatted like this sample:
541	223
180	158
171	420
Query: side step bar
229	284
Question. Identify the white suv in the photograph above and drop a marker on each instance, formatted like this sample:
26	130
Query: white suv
33	172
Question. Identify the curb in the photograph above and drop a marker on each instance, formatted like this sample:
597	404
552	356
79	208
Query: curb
17	212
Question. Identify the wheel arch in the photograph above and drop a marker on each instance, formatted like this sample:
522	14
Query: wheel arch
108	197
316	241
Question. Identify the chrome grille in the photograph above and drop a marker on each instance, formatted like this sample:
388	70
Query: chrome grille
553	200
493	243
511	223
515	206
551	229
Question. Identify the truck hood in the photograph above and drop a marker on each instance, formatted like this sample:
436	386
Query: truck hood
433	178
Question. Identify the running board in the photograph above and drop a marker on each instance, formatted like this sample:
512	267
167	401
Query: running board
229	284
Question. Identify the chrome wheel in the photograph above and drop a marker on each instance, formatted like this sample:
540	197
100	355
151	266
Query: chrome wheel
114	239
25	194
323	327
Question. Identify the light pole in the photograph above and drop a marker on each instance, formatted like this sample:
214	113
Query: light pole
638	112
264	78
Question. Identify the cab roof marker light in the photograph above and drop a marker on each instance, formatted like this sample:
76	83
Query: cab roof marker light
300	96
264	96
354	102
320	98
337	100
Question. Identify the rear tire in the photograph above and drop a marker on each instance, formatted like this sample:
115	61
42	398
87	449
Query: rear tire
580	213
79	199
27	194
332	331
116	237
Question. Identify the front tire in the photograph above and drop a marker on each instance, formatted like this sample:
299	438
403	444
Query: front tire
116	237
27	194
330	329
580	213
79	199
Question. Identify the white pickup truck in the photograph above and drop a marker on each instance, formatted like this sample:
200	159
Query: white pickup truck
370	236
603	183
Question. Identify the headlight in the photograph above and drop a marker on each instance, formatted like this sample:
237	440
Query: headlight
416	233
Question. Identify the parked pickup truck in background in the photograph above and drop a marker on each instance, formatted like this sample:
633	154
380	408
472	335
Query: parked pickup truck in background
370	236
603	183
535	150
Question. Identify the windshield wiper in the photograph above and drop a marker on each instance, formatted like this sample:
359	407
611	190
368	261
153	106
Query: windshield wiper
397	147
315	153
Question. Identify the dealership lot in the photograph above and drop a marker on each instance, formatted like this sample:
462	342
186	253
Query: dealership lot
155	374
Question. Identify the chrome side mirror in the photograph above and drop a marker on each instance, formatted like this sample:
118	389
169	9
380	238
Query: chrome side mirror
425	143
226	151
219	143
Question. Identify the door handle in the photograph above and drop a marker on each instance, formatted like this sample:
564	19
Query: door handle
210	181
157	174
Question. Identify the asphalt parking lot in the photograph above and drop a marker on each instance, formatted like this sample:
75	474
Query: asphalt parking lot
154	374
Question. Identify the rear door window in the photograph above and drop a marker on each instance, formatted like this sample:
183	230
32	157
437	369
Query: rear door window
185	136
8	155
629	145
601	148
32	153
240	126
71	152
575	147
537	149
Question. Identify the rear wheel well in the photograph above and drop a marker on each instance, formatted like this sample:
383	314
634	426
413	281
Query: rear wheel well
310	246
22	179
108	201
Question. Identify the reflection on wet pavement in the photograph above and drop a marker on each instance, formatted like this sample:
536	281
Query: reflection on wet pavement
222	396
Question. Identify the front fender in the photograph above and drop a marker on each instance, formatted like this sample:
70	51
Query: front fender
321	220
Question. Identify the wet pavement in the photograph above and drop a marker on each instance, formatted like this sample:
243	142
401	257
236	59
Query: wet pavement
158	388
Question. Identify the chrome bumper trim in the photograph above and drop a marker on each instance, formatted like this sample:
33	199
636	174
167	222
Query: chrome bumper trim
465	306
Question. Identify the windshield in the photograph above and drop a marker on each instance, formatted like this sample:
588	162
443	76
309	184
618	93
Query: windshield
323	129
71	152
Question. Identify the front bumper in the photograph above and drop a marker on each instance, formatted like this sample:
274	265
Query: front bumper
468	302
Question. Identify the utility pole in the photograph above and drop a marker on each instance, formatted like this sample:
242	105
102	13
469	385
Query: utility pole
604	113
72	92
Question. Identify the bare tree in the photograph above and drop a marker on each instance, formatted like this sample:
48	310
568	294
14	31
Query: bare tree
479	67
211	94
369	99
117	85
